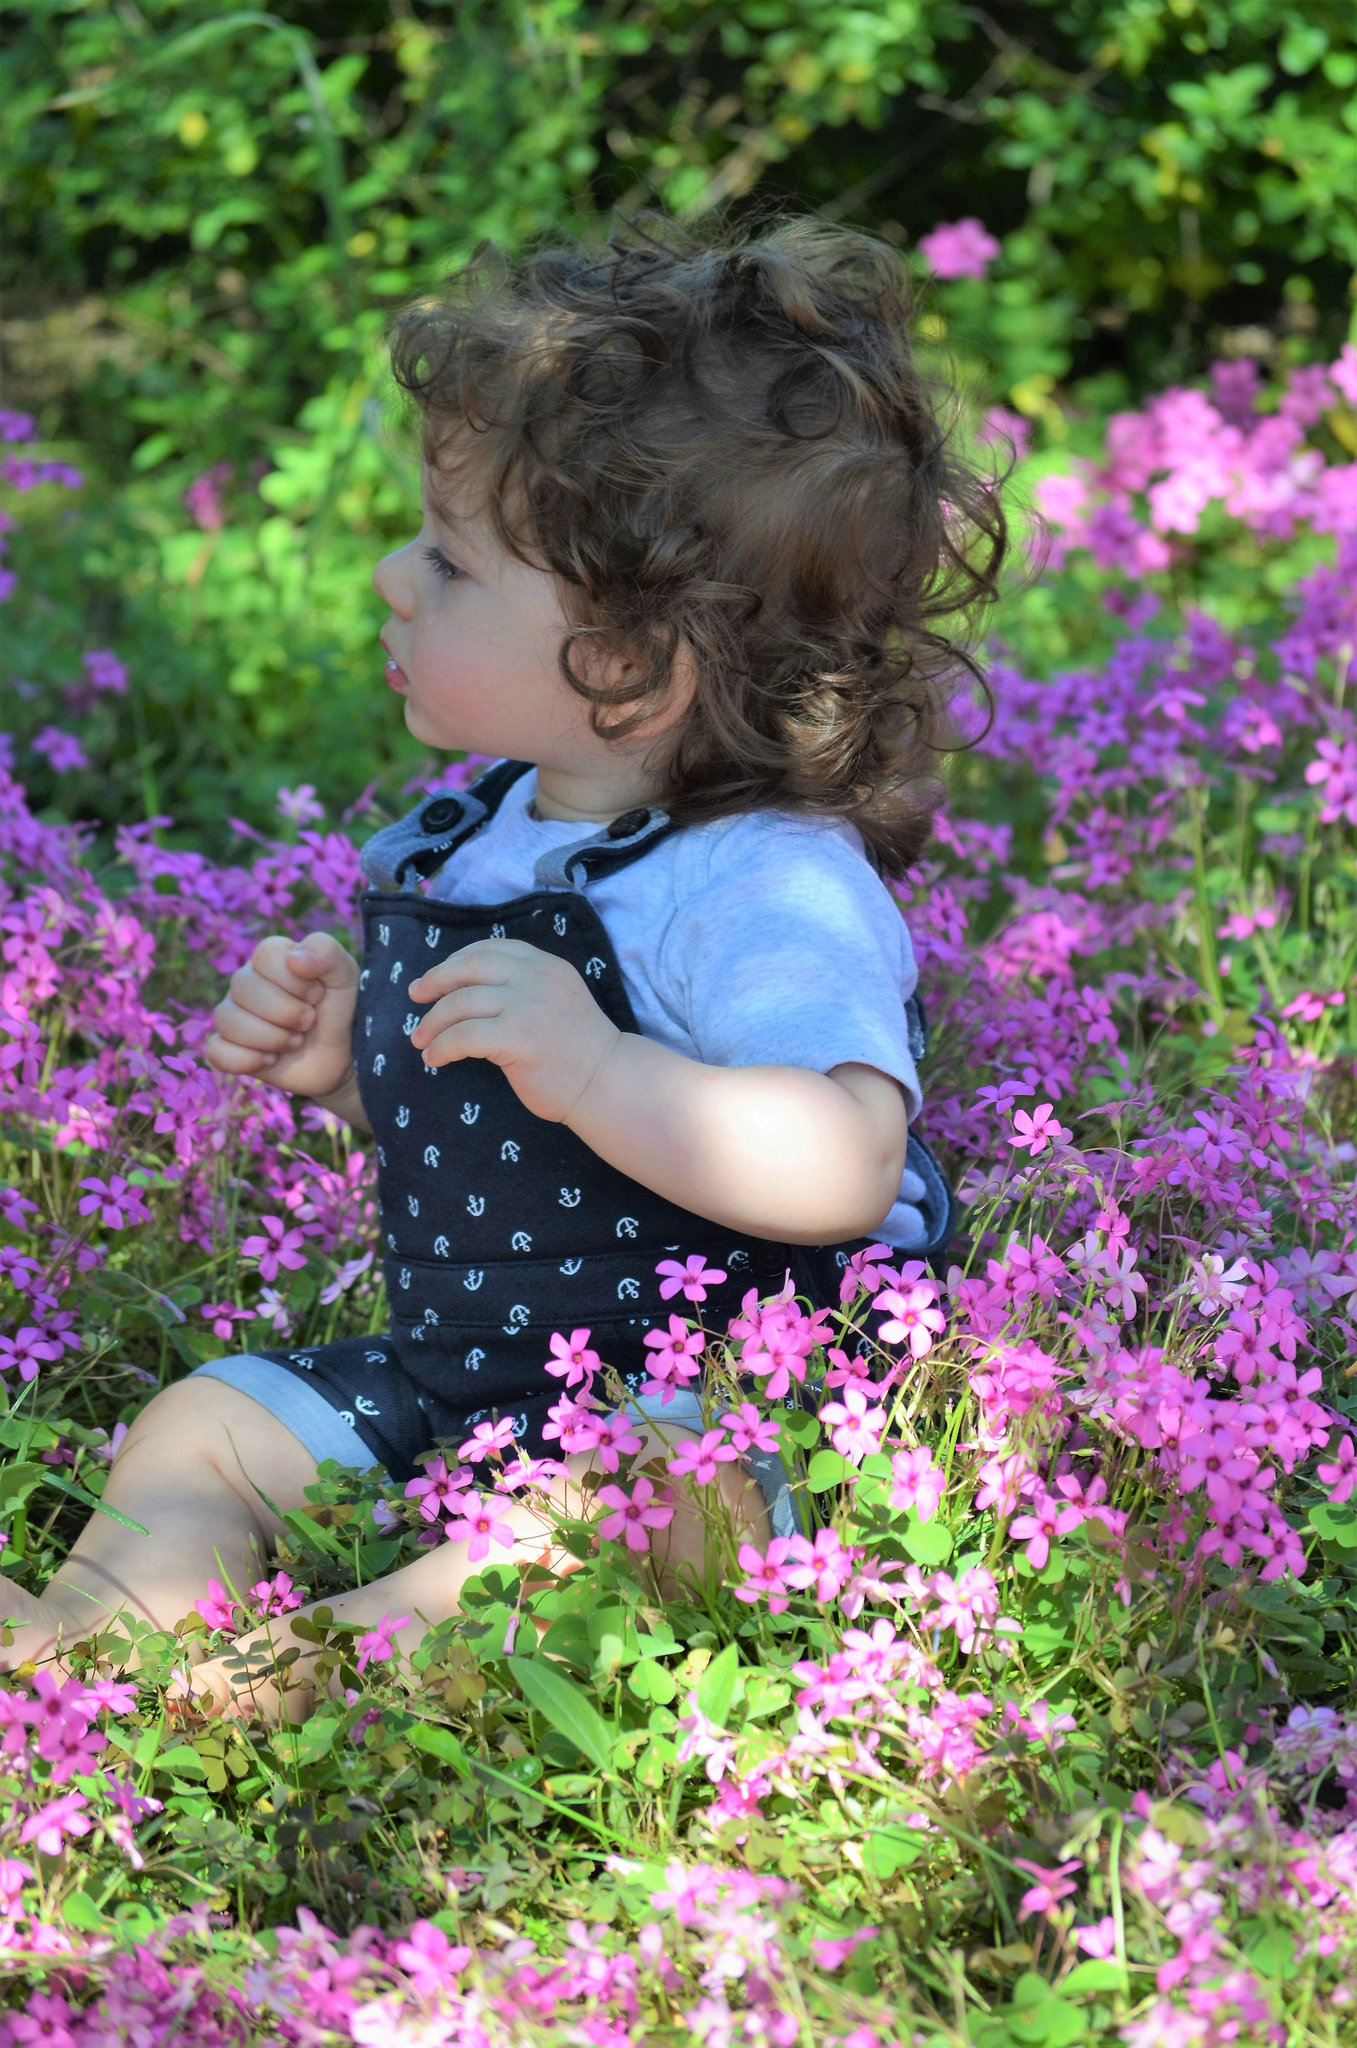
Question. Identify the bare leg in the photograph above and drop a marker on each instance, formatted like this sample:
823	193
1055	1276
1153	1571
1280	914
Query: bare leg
429	1590
187	1471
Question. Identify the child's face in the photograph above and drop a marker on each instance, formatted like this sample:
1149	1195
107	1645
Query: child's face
475	636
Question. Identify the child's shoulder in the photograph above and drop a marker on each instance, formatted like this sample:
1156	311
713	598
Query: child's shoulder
785	846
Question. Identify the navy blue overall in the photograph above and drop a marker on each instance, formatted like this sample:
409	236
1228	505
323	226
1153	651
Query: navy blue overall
500	1227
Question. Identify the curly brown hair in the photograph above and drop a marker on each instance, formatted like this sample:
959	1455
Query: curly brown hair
725	445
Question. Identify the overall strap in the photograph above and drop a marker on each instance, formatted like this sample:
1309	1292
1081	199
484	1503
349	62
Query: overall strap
603	850
421	841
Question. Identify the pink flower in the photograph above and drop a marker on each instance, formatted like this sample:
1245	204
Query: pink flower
217	1607
299	806
1098	1940
1035	1132
855	1426
117	1202
693	1277
476	1526
1051	1887
764	1574
959	248
273	1596
831	1953
616	1439
50	1825
439	1492
700	1456
377	1647
912	1318
825	1564
487	1440
751	1430
430	1959
278	1246
1341	1476
677	1359
223	1316
1049	1519
633	1515
916	1483
572	1360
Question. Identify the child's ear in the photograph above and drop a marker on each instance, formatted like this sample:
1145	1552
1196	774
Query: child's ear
629	668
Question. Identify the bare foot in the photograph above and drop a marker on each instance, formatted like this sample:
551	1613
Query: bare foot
35	1624
247	1683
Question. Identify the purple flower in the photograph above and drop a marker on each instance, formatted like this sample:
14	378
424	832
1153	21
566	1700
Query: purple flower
104	671
278	1246
959	248
118	1204
62	749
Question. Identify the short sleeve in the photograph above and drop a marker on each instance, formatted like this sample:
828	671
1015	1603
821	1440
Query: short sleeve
791	951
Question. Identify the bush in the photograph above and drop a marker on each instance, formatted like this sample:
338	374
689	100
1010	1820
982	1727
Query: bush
210	214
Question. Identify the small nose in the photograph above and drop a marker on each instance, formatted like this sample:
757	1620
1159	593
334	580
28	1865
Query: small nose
392	581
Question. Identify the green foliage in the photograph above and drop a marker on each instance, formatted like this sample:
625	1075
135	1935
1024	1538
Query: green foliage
211	213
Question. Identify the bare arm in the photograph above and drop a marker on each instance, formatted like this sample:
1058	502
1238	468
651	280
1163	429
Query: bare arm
779	1151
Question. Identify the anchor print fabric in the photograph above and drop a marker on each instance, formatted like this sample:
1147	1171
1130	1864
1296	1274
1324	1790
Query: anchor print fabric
499	1227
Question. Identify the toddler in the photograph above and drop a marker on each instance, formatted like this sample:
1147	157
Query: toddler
638	1005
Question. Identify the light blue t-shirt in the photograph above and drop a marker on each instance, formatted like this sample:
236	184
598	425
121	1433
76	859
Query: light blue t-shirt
767	938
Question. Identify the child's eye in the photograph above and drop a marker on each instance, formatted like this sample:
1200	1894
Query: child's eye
439	562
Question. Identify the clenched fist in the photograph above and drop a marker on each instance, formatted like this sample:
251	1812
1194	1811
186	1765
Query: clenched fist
288	1017
528	1012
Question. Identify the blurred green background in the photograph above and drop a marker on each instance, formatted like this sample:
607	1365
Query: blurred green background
211	213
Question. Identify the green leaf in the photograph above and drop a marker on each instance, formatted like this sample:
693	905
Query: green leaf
183	1761
926	1542
79	1910
1096	1974
803	1429
827	1469
1273	1953
887	1850
1335	1524
17	1482
564	1707
716	1687
653	1682
1043	1639
438	1741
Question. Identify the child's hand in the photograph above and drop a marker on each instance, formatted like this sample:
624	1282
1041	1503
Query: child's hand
532	1014
288	1016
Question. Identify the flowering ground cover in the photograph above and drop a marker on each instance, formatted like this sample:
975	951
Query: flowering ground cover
1041	1732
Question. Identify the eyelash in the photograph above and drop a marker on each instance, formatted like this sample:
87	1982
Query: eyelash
439	562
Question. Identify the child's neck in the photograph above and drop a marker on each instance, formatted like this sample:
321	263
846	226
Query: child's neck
591	799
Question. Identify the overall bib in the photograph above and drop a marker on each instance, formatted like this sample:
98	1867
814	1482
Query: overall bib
499	1227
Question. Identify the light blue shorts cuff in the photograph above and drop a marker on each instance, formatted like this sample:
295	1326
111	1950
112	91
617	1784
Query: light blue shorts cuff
325	1431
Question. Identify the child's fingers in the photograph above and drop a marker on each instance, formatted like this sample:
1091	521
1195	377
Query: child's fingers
229	1058
474	1038
296	968
489	961
464	1006
252	996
